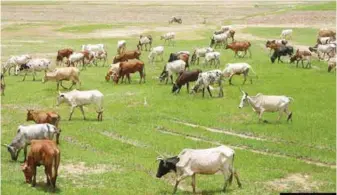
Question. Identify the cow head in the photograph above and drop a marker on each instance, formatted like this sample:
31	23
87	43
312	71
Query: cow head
244	99
163	76
30	115
13	151
60	98
175	87
293	58
166	165
212	42
27	171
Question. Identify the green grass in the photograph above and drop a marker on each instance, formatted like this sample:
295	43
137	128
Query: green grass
310	136
317	7
87	28
304	36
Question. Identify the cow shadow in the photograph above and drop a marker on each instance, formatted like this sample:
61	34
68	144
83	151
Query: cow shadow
43	187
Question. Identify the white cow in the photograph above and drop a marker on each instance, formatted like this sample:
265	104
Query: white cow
267	103
100	55
205	79
144	40
237	69
93	47
15	61
33	66
156	51
121	47
170	68
76	58
200	161
213	57
287	33
329	49
170	36
200	52
27	133
77	98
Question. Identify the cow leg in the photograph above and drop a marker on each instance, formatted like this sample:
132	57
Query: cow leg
280	115
244	78
34	176
302	63
193	182
209	91
178	180
129	79
72	84
220	90
203	92
171	79
25	152
260	114
62	85
24	77
71	111
237	179
81	107
289	114
46	171
230	79
187	87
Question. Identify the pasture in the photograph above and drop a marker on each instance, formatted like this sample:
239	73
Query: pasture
118	155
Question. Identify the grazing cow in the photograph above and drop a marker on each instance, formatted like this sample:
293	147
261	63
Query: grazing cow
324	40
190	162
237	69
327	33
219	39
274	44
175	19
63	74
34	65
240	46
121	47
76	57
2	84
144	40
15	61
93	47
208	78
77	98
169	37
170	68
156	51
26	134
63	53
200	52
267	103
40	117
131	66
281	51
127	55
113	70
212	57
184	78
46	153
100	55
329	49
331	65
301	56
181	56
287	33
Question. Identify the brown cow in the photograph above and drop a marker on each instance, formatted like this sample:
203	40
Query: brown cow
240	46
40	117
327	33
127	55
63	53
301	56
273	45
46	153
131	66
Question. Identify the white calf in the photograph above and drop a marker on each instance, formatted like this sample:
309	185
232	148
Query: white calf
171	68
287	33
213	57
15	61
156	51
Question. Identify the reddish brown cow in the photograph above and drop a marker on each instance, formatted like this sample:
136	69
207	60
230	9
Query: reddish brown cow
63	53
127	55
240	46
46	153
131	66
301	56
273	45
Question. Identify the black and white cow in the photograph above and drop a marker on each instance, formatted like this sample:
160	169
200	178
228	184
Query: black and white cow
208	78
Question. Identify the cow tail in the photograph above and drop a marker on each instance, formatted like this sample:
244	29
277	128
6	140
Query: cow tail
56	164
253	72
231	171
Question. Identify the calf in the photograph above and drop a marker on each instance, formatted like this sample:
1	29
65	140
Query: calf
156	51
121	47
77	98
26	134
175	19
34	65
190	162
127	55
240	46
281	51
267	103
287	33
168	37
113	70
131	66
170	68
40	117
301	56
63	53
329	49
100	55
63	74
76	57
213	57
144	40
46	153
184	78
237	69
208	78
15	62
200	52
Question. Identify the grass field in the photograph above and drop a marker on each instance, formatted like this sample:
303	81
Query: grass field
118	155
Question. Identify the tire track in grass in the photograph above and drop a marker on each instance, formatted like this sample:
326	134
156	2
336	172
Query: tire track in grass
201	139
253	137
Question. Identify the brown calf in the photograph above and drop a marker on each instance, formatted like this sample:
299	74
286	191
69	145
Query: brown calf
301	56
184	78
272	45
46	153
63	53
127	55
131	66
240	46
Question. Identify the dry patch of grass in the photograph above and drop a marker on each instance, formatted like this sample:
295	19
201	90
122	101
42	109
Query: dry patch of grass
298	182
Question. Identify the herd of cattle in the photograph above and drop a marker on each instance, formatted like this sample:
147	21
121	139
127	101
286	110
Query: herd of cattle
190	161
